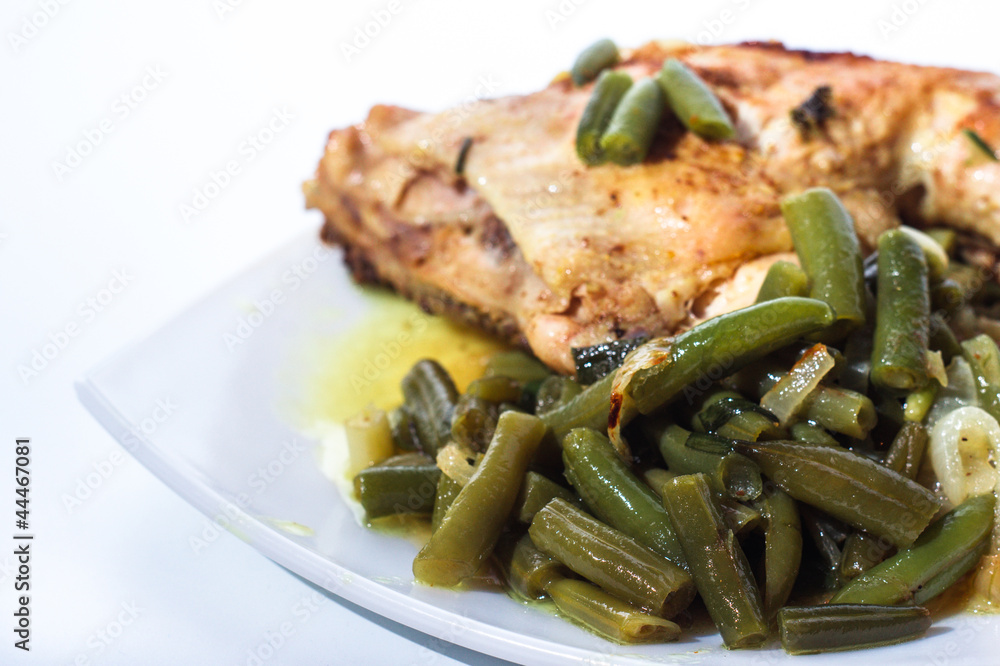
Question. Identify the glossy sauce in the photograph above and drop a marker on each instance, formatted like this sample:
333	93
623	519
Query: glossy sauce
365	364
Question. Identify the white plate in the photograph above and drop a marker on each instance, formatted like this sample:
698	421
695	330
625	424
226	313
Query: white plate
210	417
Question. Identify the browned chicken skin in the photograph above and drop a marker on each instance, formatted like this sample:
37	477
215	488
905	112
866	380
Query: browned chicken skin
552	254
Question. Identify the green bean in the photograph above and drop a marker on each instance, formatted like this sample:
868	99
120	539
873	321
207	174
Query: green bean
942	338
919	403
945	237
475	519
728	473
536	492
694	104
758	377
907	450
447	491
945	552
594	362
608	616
852	488
947	296
861	552
634	123
587	410
616	495
604	99
783	279
555	391
840	410
719	568
473	422
603	555
430	396
903	318
401	425
827	538
934	254
495	389
983	357
812	629
736	418
739	517
857	359
593	60
824	238
528	570
782	548
722	344
402	484
655	477
810	433
517	365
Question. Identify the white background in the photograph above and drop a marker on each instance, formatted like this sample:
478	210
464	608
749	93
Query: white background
224	72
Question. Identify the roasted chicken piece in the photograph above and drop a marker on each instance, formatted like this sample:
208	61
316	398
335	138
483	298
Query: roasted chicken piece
529	242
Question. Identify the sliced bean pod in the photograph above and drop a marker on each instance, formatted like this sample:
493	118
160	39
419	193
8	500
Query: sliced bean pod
609	616
404	435
616	495
719	567
984	358
516	365
740	518
854	489
902	323
695	105
857	359
605	98
446	492
430	396
782	548
847	412
593	60
945	552
824	238
833	627
862	550
473	422
633	125
536	492
934	254
907	450
810	433
402	484
783	279
555	391
528	570
610	559
473	523
827	539
495	389
587	410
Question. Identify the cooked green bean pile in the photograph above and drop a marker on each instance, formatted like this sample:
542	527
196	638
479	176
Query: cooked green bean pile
814	467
